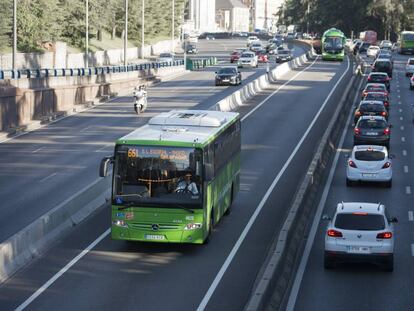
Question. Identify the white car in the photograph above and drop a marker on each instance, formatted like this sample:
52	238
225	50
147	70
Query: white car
361	232
386	44
373	51
409	67
166	57
369	163
256	46
248	59
251	39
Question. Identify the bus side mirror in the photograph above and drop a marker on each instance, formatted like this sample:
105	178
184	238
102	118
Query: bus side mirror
103	168
208	171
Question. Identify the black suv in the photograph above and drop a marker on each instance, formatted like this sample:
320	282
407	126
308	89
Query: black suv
383	65
370	108
228	75
372	130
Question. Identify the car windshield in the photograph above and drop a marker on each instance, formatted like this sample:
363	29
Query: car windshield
360	221
283	52
333	43
380	77
165	55
156	176
411	61
227	71
371	124
375	96
377	87
371	107
369	155
247	55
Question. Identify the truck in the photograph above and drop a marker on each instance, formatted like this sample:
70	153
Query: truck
368	36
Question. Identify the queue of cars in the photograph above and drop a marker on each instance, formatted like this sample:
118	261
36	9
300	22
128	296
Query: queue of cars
361	231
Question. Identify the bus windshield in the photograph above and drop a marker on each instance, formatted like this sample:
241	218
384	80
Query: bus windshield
408	37
333	43
157	176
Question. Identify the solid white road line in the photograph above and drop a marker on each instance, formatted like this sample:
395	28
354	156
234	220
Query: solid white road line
405	169
408	190
48	177
62	271
38	149
410	216
311	238
252	219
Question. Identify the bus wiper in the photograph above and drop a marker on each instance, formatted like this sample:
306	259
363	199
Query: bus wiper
127	205
186	209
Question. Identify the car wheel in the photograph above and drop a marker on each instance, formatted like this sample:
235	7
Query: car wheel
328	262
389	264
349	183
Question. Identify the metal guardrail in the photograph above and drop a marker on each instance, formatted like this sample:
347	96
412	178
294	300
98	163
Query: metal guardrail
70	72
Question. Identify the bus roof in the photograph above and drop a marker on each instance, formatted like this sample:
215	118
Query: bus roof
181	128
333	32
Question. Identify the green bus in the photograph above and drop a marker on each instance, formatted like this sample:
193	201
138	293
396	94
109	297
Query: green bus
406	42
175	177
333	44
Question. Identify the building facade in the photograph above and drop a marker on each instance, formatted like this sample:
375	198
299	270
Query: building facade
263	13
232	15
201	14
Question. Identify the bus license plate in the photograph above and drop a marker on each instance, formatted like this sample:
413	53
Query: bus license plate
154	237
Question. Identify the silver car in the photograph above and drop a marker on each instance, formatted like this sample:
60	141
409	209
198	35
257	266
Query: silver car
369	163
248	59
361	232
409	67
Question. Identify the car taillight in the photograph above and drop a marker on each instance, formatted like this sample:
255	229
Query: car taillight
387	131
369	79
386	93
386	104
365	93
384	114
387	79
384	235
351	163
386	165
334	233
358	113
357	131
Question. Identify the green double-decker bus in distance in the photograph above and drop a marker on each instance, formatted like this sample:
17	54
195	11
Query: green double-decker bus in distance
175	177
333	44
406	42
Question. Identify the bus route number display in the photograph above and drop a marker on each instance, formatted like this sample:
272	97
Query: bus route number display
164	154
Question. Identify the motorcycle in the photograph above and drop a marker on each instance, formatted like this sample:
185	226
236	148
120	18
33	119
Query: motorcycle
140	100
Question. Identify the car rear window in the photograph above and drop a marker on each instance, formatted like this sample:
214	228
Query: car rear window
372	124
382	65
377	76
363	222
411	61
375	87
248	55
366	155
227	70
372	96
371	107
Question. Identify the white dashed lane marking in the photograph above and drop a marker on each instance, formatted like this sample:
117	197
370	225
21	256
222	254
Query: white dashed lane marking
402	127
405	169
400	110
404	153
403	139
410	216
408	190
401	118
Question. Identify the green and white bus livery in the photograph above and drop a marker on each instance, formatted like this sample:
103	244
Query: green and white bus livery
406	42
333	43
151	165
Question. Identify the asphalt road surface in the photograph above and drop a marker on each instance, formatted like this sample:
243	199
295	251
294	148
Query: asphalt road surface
366	286
280	132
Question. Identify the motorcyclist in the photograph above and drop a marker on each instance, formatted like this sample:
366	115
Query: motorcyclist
140	98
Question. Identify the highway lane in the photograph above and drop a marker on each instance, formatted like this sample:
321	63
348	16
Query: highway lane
43	168
364	286
176	277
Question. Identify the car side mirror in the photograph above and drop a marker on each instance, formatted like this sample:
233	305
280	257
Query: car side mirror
393	219
326	217
390	126
103	168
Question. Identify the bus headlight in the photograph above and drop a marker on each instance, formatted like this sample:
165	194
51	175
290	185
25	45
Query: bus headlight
119	223
192	226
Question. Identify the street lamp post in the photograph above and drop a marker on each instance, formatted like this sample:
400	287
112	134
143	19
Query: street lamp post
142	28
126	33
172	26
87	34
14	34
307	20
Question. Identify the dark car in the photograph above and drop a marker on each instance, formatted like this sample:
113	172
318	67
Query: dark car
283	55
364	47
370	108
379	77
228	75
383	65
357	46
372	130
378	96
384	54
191	48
